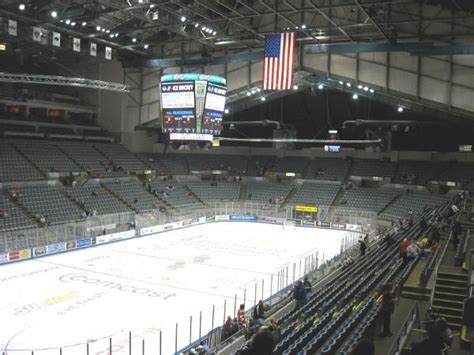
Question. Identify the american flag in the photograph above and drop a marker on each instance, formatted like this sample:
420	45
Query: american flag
278	61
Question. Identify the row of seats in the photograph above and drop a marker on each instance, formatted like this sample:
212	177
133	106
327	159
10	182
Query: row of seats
414	201
93	197
328	323
368	199
25	157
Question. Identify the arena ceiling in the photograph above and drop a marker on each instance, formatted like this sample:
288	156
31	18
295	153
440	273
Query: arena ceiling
183	28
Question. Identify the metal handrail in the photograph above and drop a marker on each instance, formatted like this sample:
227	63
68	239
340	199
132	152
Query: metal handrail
403	332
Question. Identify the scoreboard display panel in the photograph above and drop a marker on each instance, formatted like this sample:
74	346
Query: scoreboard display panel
192	104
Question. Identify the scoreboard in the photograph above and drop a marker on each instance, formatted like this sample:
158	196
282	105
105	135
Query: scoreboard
192	104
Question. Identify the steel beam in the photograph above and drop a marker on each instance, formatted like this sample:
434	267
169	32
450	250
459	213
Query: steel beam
164	63
62	81
365	47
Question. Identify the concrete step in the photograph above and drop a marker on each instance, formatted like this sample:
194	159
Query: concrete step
447	310
443	302
449	296
452	276
443	281
451	289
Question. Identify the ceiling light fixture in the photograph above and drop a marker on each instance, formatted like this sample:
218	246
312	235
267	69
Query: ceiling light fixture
134	40
183	19
262	98
320	86
400	109
355	96
84	24
22	7
371	91
360	87
226	110
97	27
303	26
146	46
68	21
54	14
366	88
295	87
73	24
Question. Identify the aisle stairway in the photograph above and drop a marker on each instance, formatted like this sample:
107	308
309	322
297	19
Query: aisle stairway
449	294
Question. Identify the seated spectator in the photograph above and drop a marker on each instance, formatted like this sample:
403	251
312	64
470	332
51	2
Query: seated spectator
413	251
433	345
404	249
241	319
307	285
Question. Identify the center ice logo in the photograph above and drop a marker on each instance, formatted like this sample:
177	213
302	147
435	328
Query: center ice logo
81	278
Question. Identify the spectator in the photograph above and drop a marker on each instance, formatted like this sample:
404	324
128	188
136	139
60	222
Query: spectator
388	307
457	230
299	295
262	344
404	249
364	347
435	231
445	332
307	285
241	320
228	322
433	345
259	312
423	224
413	251
362	247
203	348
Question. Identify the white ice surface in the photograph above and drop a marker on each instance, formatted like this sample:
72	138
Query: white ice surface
146	285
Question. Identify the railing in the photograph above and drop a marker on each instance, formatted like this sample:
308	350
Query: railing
404	331
90	227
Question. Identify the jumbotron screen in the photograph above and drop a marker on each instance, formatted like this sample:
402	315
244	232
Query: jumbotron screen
192	105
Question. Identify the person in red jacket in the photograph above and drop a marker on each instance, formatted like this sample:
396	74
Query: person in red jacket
404	249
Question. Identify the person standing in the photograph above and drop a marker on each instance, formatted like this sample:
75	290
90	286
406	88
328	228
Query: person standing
299	295
388	307
457	230
362	247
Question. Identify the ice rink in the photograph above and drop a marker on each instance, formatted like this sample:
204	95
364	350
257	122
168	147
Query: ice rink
147	285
